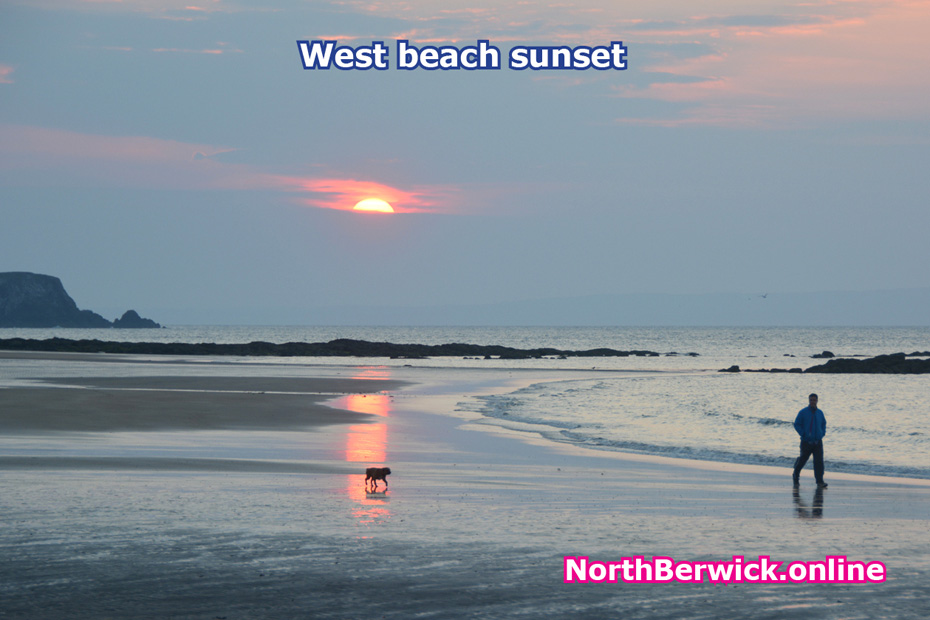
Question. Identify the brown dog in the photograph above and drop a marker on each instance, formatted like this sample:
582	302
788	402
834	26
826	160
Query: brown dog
375	474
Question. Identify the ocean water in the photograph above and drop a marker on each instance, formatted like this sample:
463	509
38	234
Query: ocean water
673	404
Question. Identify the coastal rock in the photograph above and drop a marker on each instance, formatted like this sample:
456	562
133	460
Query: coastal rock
132	320
341	347
824	355
893	364
733	368
896	363
36	300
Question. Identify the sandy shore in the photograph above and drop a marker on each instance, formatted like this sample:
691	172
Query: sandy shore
243	507
107	404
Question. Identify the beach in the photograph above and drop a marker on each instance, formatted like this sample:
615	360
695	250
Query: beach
136	488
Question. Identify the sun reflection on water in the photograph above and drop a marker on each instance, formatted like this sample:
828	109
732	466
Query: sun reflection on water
366	445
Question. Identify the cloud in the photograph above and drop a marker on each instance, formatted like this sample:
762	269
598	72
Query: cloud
171	10
43	155
222	47
60	156
344	193
36	144
764	64
782	72
178	50
5	72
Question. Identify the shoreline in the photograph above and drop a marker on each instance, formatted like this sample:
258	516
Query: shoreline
570	448
217	403
276	522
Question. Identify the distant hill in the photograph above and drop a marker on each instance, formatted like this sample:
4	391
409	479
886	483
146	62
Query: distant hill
37	300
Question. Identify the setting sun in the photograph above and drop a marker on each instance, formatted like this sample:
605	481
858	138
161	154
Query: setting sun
373	204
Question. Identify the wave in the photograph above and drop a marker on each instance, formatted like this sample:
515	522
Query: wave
773	422
725	456
582	413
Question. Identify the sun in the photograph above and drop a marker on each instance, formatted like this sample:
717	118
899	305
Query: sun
375	205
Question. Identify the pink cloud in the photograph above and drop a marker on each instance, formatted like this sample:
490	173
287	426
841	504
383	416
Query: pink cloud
59	144
190	51
343	37
771	63
757	116
171	10
704	90
5	72
28	141
60	156
469	11
418	35
69	157
343	194
825	66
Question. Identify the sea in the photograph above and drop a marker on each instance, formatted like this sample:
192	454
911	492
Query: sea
676	404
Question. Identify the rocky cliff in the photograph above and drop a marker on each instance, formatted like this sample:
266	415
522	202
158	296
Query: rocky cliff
36	300
132	320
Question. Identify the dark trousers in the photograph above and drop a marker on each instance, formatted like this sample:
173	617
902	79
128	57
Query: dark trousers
807	449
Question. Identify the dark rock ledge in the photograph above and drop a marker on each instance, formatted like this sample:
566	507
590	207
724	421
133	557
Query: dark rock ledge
334	348
893	364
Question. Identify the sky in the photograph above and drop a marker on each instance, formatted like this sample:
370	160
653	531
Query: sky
176	157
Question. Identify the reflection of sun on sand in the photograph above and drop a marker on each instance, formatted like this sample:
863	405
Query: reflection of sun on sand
370	508
366	444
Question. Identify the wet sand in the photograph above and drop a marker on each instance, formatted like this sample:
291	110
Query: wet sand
108	404
217	515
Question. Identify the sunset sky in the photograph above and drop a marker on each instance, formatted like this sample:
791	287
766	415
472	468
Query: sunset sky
175	157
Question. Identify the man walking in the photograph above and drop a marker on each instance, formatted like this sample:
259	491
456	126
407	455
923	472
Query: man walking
811	425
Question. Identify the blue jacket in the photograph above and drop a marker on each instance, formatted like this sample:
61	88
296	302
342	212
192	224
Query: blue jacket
810	425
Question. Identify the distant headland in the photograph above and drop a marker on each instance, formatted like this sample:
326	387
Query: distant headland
37	300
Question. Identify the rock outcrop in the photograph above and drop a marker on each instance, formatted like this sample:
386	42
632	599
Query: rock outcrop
35	300
894	364
132	320
334	348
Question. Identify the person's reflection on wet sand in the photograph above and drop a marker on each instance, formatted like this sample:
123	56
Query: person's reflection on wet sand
804	512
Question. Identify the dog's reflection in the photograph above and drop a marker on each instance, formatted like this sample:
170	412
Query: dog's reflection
368	507
808	512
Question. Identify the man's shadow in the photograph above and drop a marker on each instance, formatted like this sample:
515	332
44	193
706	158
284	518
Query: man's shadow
808	512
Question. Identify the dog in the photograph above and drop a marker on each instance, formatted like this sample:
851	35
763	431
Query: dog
375	474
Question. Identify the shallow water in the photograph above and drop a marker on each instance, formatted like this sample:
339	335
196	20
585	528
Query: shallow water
673	404
875	424
473	522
